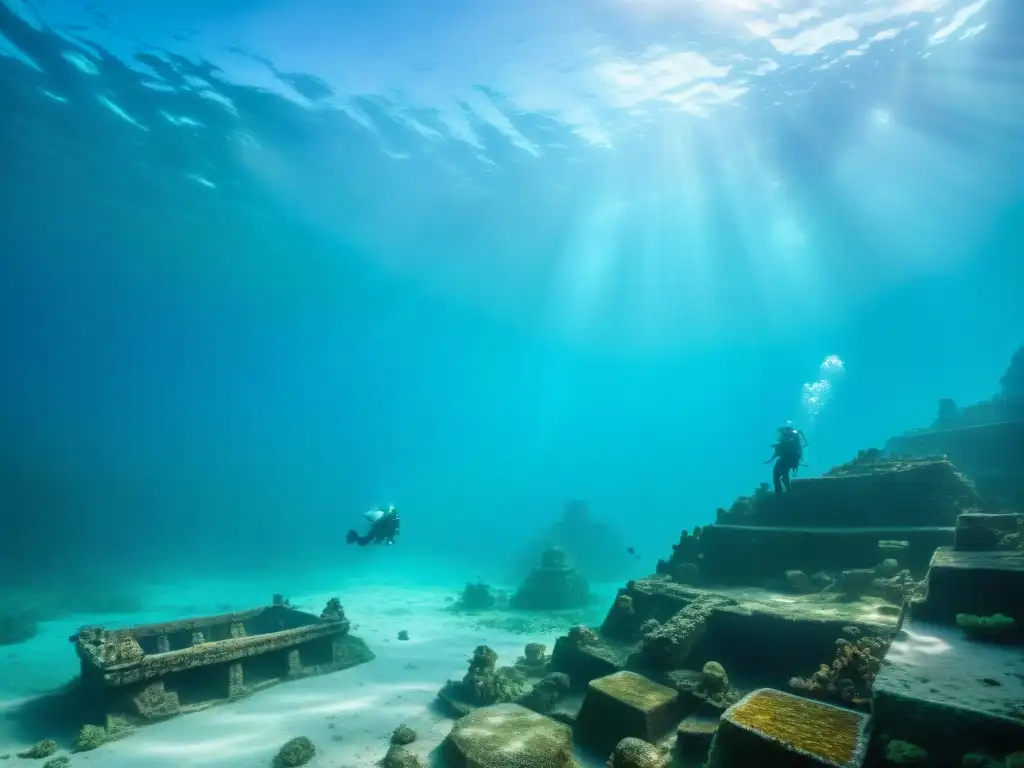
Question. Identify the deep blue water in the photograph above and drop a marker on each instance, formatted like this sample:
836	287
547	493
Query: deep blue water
265	265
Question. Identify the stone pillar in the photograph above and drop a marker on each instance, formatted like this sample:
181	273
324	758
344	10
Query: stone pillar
236	680
294	663
197	638
237	630
163	644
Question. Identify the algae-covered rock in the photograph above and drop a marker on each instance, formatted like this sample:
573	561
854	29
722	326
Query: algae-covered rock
90	737
42	749
769	727
295	752
484	684
635	753
399	757
713	678
403	735
547	692
57	762
509	736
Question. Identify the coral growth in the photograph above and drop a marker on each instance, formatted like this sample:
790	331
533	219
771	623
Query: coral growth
333	611
398	756
669	645
852	673
476	596
403	735
534	660
295	752
42	749
485	684
683	565
581	635
635	753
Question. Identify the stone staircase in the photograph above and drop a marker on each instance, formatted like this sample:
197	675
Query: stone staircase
945	687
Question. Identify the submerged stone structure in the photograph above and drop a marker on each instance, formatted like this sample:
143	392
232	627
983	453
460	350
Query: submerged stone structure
152	672
554	585
871	617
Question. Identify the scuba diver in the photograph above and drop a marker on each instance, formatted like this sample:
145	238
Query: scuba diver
788	455
384	527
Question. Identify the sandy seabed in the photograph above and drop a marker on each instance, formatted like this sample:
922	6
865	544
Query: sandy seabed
348	715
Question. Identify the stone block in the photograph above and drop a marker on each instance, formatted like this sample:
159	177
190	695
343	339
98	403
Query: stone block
508	736
769	727
626	704
978	583
694	737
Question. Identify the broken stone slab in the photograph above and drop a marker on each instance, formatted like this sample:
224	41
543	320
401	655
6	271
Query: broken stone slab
949	694
790	629
769	727
670	645
509	736
586	660
626	704
977	583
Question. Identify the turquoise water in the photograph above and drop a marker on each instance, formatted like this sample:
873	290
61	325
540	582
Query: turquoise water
264	266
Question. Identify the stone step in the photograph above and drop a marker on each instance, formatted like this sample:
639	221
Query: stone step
950	695
622	705
977	450
735	554
912	494
985	532
794	633
977	583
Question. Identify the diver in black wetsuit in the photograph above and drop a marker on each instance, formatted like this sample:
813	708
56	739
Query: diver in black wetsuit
384	528
788	454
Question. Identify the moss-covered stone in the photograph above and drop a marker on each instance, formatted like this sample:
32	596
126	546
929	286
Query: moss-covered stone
57	762
509	736
635	753
295	752
625	704
769	727
398	756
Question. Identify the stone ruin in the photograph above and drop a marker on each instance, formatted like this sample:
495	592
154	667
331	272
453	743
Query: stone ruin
761	639
553	585
153	672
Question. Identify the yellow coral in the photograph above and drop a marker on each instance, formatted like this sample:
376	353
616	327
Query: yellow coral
825	732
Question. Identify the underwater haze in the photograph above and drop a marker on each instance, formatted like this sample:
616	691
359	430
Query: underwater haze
265	266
